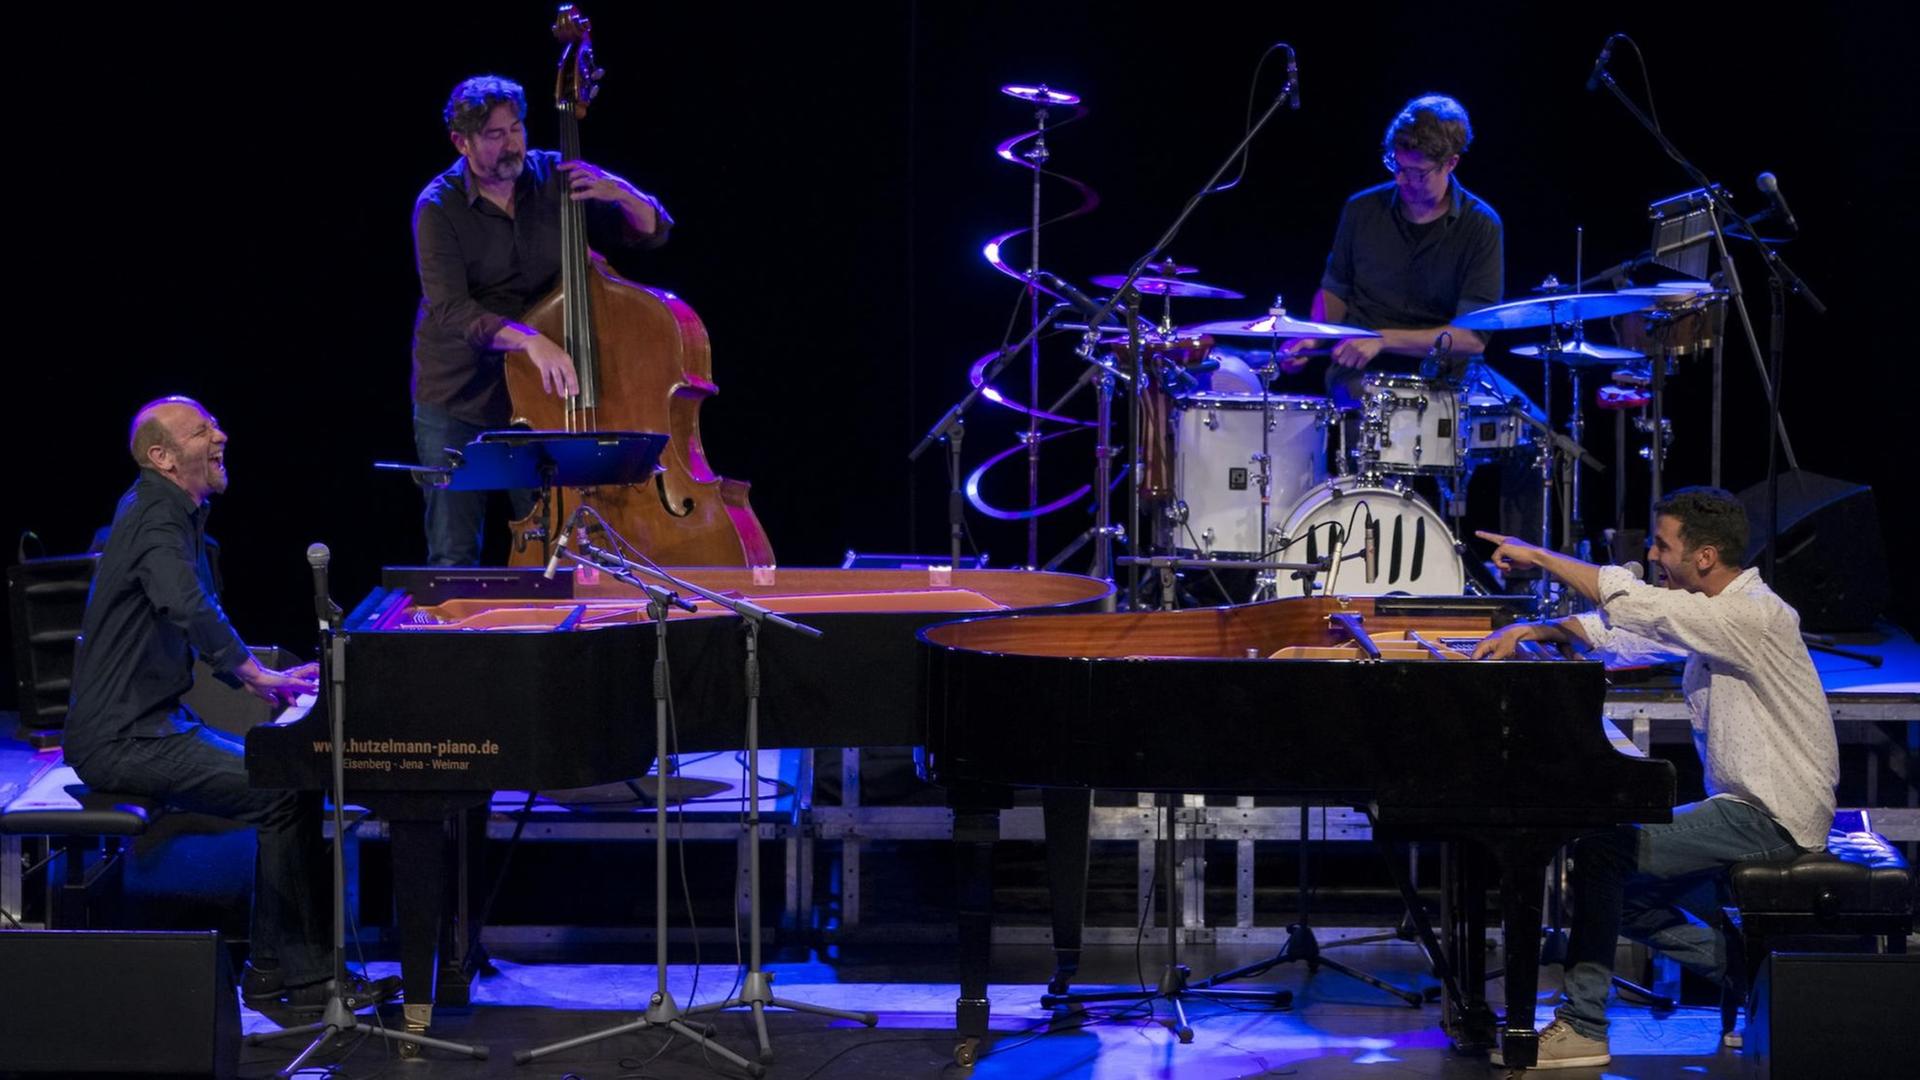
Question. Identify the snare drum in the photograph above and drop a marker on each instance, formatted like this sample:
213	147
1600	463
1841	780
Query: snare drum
1402	425
1415	548
1216	448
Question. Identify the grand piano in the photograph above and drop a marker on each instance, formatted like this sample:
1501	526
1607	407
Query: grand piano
461	682
1367	702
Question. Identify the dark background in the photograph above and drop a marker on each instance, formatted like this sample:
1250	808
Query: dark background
217	204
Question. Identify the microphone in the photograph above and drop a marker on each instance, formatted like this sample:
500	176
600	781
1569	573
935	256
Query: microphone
1371	533
1337	552
1638	571
566	533
1766	182
1081	301
318	556
1293	80
1600	65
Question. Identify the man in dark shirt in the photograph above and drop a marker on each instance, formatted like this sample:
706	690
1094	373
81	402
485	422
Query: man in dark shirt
486	237
153	607
1411	254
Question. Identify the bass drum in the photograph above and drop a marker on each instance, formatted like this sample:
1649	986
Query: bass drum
1415	548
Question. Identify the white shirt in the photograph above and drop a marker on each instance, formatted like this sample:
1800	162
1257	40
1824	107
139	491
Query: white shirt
1760	718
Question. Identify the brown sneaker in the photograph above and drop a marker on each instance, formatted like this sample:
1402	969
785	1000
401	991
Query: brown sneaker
1561	1047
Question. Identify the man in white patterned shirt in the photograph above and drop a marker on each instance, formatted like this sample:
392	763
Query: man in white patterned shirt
1760	725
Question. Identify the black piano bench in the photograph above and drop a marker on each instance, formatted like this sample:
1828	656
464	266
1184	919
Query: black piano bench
88	832
1860	886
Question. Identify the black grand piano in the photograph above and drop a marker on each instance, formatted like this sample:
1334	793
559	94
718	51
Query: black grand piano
462	682
1365	702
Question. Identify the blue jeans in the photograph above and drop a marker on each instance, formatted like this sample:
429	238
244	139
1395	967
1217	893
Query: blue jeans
456	520
202	770
1659	885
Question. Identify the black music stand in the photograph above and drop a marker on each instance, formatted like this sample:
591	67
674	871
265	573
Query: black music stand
513	460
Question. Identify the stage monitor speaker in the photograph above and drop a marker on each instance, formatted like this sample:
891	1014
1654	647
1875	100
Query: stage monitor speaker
81	1002
1831	563
1855	1015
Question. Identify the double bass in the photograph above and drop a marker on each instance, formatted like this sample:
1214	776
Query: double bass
643	363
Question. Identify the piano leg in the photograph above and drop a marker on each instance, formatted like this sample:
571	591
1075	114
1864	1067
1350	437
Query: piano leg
460	956
1523	865
1467	1017
419	898
976	826
417	827
1068	815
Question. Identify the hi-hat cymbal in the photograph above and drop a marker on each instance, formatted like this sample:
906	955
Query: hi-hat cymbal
1277	326
1164	286
1551	310
1169	268
1579	354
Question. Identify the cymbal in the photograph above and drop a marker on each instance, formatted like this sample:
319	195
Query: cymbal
1041	94
1169	268
1579	353
1551	310
1280	326
1164	286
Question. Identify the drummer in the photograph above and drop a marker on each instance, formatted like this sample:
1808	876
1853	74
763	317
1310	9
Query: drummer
1411	255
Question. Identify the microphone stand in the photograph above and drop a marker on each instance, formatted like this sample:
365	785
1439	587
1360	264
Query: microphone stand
662	1010
337	1019
1782	279
757	992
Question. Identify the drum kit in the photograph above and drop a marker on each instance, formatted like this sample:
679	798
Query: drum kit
1236	473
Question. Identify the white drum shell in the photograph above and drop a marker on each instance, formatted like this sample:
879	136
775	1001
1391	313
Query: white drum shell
1216	445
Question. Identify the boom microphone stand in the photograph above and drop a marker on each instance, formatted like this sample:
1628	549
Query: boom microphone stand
338	1019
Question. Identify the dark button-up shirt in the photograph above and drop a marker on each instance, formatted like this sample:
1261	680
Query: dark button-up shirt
1395	275
154	604
480	267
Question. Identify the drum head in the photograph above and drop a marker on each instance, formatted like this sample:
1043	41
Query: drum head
1415	549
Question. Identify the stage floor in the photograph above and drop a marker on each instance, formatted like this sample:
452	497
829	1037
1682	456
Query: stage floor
1334	1028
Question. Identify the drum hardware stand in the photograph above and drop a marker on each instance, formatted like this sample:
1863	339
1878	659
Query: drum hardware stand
662	1010
1126	293
1173	986
1301	944
1103	532
951	427
1560	455
1037	156
338	1020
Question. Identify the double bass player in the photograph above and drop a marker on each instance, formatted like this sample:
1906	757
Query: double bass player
486	239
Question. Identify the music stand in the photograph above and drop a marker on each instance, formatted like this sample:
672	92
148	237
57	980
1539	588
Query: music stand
512	460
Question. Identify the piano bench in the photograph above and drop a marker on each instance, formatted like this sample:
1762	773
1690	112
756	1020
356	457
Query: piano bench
1860	886
87	831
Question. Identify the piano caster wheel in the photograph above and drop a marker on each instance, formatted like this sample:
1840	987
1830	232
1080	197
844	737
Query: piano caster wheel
966	1052
1057	986
409	1050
